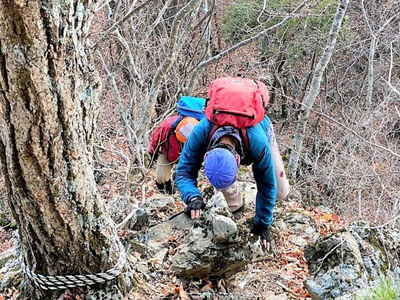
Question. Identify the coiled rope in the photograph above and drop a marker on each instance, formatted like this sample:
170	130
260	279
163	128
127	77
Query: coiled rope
58	282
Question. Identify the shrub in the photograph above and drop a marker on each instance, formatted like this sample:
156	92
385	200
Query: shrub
244	18
386	290
239	20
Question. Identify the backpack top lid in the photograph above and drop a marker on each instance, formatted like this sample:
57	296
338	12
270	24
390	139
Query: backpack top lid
236	101
189	106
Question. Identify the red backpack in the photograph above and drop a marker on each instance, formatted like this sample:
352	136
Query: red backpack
238	102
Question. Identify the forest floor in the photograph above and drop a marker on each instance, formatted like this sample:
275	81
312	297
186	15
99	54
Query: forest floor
278	278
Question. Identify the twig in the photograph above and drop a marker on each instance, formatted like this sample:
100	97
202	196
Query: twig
357	135
390	72
287	289
386	224
196	70
126	220
261	13
315	87
119	153
326	256
249	40
262	259
128	15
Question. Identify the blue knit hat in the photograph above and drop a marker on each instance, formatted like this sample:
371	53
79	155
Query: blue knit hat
220	167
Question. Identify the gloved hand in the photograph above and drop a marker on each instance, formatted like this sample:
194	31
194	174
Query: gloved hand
194	206
265	235
166	188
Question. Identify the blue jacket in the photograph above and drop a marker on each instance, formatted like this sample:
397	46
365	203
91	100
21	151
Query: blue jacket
259	152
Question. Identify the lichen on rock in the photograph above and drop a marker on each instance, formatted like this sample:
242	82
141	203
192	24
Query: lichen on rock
351	260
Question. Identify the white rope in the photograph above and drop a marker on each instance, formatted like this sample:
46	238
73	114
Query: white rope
58	282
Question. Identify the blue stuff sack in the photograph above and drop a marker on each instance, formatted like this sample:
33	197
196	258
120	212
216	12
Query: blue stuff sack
188	106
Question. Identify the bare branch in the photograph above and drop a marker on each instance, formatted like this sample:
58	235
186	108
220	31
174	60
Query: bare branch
371	70
389	81
129	14
262	11
249	40
350	130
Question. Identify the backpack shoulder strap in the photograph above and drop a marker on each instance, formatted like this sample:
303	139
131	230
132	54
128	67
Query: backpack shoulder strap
176	122
246	147
213	129
172	132
245	139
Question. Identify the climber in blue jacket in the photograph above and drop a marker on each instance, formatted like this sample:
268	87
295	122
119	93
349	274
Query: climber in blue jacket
223	149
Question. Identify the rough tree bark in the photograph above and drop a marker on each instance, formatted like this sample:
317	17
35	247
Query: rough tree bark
48	106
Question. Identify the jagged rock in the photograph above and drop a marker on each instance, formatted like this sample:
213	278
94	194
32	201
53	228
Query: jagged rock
217	246
137	219
224	228
298	241
299	223
157	236
352	260
119	207
142	219
181	222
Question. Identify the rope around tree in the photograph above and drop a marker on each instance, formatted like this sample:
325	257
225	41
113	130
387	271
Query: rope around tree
58	282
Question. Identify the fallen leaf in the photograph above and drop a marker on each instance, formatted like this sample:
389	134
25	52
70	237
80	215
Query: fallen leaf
326	217
182	294
335	218
170	289
330	217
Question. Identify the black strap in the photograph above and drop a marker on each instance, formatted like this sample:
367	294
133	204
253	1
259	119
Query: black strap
243	135
225	146
213	129
172	131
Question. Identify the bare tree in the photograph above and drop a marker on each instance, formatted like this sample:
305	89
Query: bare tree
372	49
315	87
48	109
153	46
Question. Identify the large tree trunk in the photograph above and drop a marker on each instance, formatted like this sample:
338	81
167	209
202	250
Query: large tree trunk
48	103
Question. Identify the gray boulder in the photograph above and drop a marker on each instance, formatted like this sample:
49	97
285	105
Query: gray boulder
352	260
217	244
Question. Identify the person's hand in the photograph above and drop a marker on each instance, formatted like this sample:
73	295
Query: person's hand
265	235
194	207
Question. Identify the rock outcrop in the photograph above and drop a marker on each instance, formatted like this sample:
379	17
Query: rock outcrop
217	244
351	260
